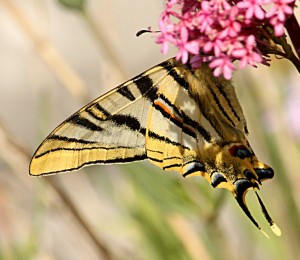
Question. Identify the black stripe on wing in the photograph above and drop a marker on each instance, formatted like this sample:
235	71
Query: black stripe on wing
76	119
85	149
63	139
146	87
91	112
172	166
165	139
170	68
125	92
70	139
101	109
223	93
223	111
128	121
154	159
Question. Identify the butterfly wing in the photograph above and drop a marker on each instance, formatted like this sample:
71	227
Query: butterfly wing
119	126
110	129
172	136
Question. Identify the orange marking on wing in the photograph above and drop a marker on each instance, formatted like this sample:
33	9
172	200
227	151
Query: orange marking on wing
179	120
168	111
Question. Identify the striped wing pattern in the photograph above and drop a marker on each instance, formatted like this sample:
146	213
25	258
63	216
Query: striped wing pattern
139	119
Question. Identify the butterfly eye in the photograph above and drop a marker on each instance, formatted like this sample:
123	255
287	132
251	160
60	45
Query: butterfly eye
239	151
217	178
264	174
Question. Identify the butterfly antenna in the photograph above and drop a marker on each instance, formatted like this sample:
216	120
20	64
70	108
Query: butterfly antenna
139	33
276	230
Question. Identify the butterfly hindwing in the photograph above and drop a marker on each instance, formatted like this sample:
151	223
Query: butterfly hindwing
174	144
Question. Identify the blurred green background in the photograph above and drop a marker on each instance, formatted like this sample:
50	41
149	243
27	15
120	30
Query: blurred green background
55	56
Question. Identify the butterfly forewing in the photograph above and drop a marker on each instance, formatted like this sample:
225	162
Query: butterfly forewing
108	130
112	129
174	138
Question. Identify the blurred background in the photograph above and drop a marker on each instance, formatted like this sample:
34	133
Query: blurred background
55	58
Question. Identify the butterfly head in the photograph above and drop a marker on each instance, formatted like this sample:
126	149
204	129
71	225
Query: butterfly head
240	171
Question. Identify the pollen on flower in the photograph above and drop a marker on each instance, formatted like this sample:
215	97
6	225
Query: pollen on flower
221	31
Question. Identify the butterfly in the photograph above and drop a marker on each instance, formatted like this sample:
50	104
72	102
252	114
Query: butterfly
180	119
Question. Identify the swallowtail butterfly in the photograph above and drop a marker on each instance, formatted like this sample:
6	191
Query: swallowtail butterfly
180	119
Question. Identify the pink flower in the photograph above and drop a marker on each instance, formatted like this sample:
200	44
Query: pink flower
185	47
203	18
216	46
220	31
253	9
278	26
231	26
222	65
220	5
277	15
280	9
247	53
166	37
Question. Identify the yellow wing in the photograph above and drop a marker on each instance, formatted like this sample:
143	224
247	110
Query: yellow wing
124	125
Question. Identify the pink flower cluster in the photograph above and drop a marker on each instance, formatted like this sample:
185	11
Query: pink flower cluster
220	32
